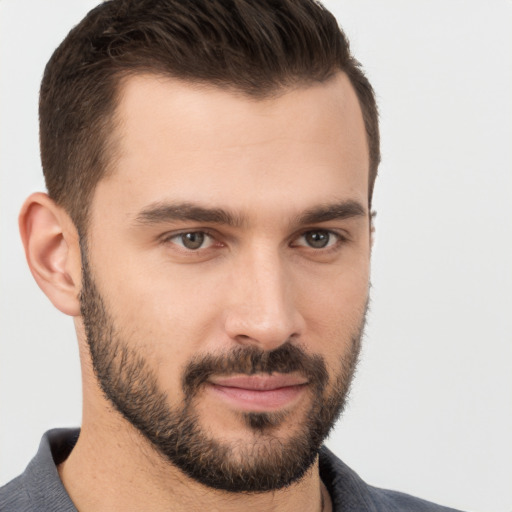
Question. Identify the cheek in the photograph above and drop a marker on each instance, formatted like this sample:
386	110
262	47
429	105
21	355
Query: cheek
166	321
334	308
163	301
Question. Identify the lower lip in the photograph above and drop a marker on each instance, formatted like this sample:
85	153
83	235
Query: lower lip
253	400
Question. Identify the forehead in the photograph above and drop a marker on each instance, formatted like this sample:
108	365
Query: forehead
221	148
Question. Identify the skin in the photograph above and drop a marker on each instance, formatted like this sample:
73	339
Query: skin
254	283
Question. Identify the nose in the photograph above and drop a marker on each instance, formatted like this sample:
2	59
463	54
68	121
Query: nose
263	304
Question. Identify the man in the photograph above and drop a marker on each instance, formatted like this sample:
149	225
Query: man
210	169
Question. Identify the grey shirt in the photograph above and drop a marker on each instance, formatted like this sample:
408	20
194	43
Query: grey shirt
39	488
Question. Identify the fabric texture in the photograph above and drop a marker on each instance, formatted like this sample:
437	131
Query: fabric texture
39	488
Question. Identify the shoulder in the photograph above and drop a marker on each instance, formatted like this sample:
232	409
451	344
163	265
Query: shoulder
39	488
14	497
398	501
349	492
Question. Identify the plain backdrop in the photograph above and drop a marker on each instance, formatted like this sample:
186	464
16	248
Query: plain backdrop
431	408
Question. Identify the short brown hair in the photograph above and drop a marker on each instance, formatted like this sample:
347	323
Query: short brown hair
254	46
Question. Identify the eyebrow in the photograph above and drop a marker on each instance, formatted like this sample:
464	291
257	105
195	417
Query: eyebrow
168	212
335	211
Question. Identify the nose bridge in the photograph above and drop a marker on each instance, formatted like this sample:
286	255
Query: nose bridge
263	310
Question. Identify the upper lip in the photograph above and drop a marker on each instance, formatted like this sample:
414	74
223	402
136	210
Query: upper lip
259	382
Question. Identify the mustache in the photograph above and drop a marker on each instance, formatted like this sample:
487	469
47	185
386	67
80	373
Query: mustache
287	358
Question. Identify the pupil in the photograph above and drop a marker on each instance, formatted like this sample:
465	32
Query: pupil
192	240
317	239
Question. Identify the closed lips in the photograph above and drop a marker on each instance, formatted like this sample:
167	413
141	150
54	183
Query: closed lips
259	382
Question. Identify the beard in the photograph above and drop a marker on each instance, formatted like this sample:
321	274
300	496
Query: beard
266	462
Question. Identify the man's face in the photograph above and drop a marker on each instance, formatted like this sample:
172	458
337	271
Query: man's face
225	274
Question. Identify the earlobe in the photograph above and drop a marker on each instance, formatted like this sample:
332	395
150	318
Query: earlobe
52	251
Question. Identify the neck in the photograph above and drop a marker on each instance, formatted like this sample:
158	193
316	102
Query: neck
112	467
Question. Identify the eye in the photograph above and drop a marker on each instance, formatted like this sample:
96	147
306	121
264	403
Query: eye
192	240
318	239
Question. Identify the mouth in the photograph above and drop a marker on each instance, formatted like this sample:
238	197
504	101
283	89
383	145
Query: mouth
258	393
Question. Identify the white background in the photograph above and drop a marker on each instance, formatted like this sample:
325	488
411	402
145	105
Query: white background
431	409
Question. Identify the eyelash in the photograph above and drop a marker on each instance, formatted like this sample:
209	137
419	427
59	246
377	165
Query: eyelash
169	238
331	246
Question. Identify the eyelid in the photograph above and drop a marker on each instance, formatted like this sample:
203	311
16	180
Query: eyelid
337	234
340	236
169	236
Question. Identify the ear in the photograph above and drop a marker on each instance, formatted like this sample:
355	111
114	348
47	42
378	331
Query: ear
52	250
